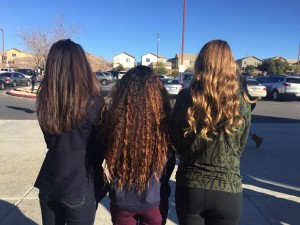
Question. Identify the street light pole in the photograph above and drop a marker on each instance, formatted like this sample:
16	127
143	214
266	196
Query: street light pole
157	51
298	60
2	58
182	43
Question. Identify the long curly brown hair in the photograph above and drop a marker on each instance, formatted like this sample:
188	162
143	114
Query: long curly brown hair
136	129
214	92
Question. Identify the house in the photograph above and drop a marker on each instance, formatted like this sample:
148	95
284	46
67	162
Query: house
20	59
188	60
125	60
150	58
248	61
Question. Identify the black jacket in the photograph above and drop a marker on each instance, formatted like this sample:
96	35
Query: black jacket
69	167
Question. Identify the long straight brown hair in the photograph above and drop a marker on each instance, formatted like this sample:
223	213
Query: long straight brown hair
67	89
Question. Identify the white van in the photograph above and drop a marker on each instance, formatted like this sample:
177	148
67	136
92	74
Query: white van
121	73
4	70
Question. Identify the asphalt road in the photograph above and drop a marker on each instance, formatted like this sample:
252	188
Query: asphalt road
17	108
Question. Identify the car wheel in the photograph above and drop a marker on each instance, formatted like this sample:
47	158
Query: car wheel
14	84
2	86
104	82
275	95
28	83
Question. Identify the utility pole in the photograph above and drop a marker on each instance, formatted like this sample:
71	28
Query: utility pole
298	60
2	58
182	43
157	51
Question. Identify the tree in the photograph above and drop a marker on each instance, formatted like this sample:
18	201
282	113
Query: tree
274	66
120	67
39	42
250	69
161	68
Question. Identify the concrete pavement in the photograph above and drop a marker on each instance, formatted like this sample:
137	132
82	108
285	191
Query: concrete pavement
24	91
270	176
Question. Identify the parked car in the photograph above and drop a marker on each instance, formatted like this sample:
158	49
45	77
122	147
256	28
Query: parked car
14	79
256	89
280	86
110	75
172	85
2	85
103	78
28	72
186	79
4	70
121	74
115	74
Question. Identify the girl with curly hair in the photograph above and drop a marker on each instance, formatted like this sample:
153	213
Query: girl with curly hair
211	125
138	154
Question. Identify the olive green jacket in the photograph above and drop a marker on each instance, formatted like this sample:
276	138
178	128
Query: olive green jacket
210	165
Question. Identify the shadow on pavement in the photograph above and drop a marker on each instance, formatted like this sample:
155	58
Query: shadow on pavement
21	109
10	214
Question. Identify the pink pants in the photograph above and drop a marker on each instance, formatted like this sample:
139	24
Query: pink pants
153	216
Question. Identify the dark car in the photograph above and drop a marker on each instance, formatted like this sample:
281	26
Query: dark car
14	79
26	71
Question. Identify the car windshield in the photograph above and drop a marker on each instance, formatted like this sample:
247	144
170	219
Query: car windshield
293	80
170	81
252	82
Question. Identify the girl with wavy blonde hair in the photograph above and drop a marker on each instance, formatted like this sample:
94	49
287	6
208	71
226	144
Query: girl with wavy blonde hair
211	123
136	125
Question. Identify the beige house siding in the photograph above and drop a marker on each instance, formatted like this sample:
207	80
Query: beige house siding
248	61
19	59
188	60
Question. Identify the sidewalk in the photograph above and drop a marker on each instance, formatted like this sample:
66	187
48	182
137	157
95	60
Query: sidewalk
270	175
23	91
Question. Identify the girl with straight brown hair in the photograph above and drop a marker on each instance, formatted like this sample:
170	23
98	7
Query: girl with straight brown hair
68	104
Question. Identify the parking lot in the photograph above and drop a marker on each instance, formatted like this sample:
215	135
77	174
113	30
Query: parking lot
270	174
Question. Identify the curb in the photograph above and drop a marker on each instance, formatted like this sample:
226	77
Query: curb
13	93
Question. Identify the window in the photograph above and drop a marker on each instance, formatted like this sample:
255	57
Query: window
147	59
127	59
13	54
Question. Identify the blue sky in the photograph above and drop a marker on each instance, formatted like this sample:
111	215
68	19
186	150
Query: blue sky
261	28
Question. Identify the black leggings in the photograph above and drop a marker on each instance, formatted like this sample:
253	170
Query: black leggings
196	206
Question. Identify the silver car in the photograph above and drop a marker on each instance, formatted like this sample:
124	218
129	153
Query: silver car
14	79
172	85
256	89
103	78
280	86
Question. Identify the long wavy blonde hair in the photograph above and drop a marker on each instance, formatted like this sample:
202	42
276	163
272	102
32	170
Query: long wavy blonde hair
136	130
214	93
